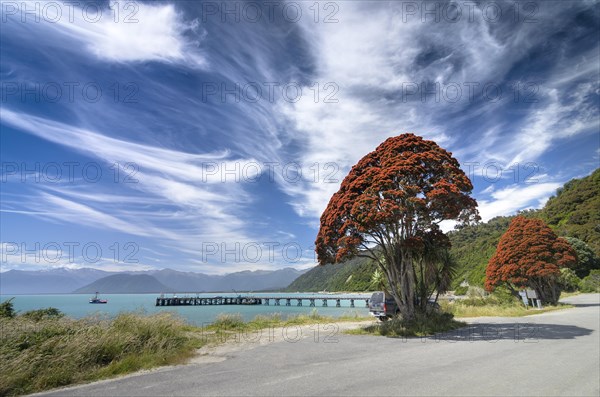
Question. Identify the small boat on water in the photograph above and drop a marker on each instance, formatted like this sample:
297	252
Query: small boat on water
95	299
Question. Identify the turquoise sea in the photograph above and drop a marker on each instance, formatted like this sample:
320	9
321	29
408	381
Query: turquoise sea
77	306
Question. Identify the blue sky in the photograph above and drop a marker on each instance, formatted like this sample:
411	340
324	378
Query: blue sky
209	136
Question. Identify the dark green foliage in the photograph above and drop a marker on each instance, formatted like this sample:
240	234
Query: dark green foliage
40	314
592	282
461	290
6	309
568	280
574	211
586	258
473	246
421	325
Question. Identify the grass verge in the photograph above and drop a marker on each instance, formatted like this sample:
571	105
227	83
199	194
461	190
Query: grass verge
486	307
42	353
42	350
421	325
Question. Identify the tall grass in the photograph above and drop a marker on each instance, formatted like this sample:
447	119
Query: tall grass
39	354
42	350
494	306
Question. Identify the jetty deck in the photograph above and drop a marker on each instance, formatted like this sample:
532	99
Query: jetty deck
276	300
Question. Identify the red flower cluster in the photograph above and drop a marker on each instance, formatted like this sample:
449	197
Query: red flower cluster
528	254
401	190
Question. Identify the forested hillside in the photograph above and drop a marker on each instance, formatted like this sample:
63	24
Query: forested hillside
473	246
574	212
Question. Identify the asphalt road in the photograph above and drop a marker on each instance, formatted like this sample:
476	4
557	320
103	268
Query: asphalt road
549	354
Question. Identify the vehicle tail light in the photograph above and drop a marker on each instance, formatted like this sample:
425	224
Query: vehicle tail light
384	308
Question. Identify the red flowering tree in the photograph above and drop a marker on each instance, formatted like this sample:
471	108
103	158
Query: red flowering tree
388	209
530	255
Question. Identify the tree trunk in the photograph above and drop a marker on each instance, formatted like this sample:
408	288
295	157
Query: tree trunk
407	282
401	278
547	291
513	291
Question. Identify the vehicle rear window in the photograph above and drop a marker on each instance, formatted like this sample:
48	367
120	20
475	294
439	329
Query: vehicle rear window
377	297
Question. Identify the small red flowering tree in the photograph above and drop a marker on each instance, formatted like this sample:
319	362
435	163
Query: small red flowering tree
388	209
530	255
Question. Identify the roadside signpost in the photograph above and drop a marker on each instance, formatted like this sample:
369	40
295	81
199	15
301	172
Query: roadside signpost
524	297
530	294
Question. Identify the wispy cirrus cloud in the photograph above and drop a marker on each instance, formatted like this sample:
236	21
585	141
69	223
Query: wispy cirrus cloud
129	31
364	68
182	202
508	200
379	62
562	117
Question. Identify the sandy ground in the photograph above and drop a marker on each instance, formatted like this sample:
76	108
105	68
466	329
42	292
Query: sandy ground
237	342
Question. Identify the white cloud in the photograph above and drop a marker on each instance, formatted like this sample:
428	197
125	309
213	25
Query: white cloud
181	204
513	198
21	256
71	211
371	59
488	189
127	31
562	117
177	164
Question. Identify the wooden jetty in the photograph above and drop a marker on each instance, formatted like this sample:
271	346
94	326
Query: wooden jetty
258	300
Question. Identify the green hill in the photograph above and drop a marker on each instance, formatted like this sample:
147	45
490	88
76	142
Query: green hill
473	246
352	275
573	212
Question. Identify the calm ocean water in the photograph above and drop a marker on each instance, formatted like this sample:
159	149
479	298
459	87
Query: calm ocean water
77	306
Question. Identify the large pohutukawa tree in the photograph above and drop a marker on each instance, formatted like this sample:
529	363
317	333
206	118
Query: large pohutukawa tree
389	208
530	255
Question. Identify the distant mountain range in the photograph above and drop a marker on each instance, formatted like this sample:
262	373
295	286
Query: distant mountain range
53	281
87	280
131	283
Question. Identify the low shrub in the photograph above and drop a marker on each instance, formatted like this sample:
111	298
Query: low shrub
6	309
568	280
461	290
591	283
40	314
421	325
